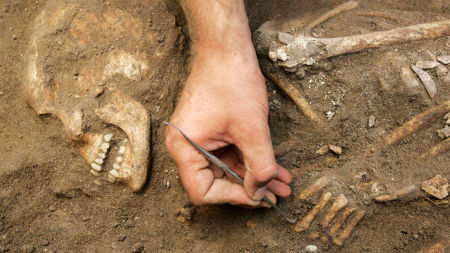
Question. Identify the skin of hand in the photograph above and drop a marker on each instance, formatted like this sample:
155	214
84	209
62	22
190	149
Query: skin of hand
224	109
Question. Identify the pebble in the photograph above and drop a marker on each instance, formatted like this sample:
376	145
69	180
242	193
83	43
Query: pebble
45	243
52	208
371	121
311	248
444	59
138	248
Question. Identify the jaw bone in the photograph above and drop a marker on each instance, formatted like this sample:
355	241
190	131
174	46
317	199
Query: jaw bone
63	30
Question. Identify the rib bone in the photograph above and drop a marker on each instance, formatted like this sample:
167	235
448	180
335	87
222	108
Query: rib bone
306	221
340	202
306	50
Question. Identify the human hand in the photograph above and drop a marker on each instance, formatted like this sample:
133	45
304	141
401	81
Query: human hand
224	109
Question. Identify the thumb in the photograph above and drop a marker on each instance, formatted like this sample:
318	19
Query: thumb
253	140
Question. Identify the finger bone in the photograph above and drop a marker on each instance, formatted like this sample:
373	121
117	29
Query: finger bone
340	202
314	188
306	221
399	194
346	232
340	220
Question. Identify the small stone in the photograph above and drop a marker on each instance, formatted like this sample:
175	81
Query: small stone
437	187
161	246
353	188
161	214
323	150
336	149
168	185
52	208
330	115
311	248
371	121
121	238
14	37
45	243
375	188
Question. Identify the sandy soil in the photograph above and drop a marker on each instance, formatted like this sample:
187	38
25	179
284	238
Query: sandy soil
49	202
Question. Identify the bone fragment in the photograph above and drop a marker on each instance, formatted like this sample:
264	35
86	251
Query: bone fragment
436	186
340	220
440	148
132	117
323	150
413	125
340	202
336	149
293	93
306	221
444	59
308	50
427	64
399	194
346	232
314	188
350	5
426	79
444	132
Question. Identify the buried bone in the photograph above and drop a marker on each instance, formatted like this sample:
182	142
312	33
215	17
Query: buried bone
439	148
340	202
306	221
340	220
427	81
314	188
398	195
306	50
347	231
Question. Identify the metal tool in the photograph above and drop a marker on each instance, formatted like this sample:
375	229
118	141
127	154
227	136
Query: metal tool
217	162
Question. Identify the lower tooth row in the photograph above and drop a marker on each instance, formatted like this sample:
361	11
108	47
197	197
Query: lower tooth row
96	166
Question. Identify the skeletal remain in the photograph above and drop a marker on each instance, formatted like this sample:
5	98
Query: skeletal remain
323	150
426	79
303	224
440	148
336	149
444	59
444	132
292	92
346	232
412	126
51	89
399	194
381	14
340	220
133	119
314	188
436	186
340	202
427	64
305	50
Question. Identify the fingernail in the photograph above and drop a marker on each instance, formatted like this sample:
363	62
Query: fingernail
259	194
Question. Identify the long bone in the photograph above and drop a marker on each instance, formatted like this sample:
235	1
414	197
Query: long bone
292	51
346	232
306	221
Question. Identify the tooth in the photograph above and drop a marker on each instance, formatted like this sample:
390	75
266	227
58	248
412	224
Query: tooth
102	155
95	173
114	173
96	167
121	150
108	137
124	141
104	147
119	159
99	161
116	166
111	178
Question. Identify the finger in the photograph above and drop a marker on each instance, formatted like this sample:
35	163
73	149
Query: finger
284	175
271	197
253	139
279	188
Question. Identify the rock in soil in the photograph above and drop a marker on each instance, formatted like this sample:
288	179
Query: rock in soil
436	187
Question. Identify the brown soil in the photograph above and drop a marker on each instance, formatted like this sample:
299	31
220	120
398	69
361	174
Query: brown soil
49	201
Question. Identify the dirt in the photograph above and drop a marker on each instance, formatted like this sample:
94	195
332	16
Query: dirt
49	202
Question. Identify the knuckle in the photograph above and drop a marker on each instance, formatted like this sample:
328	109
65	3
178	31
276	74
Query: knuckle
265	174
